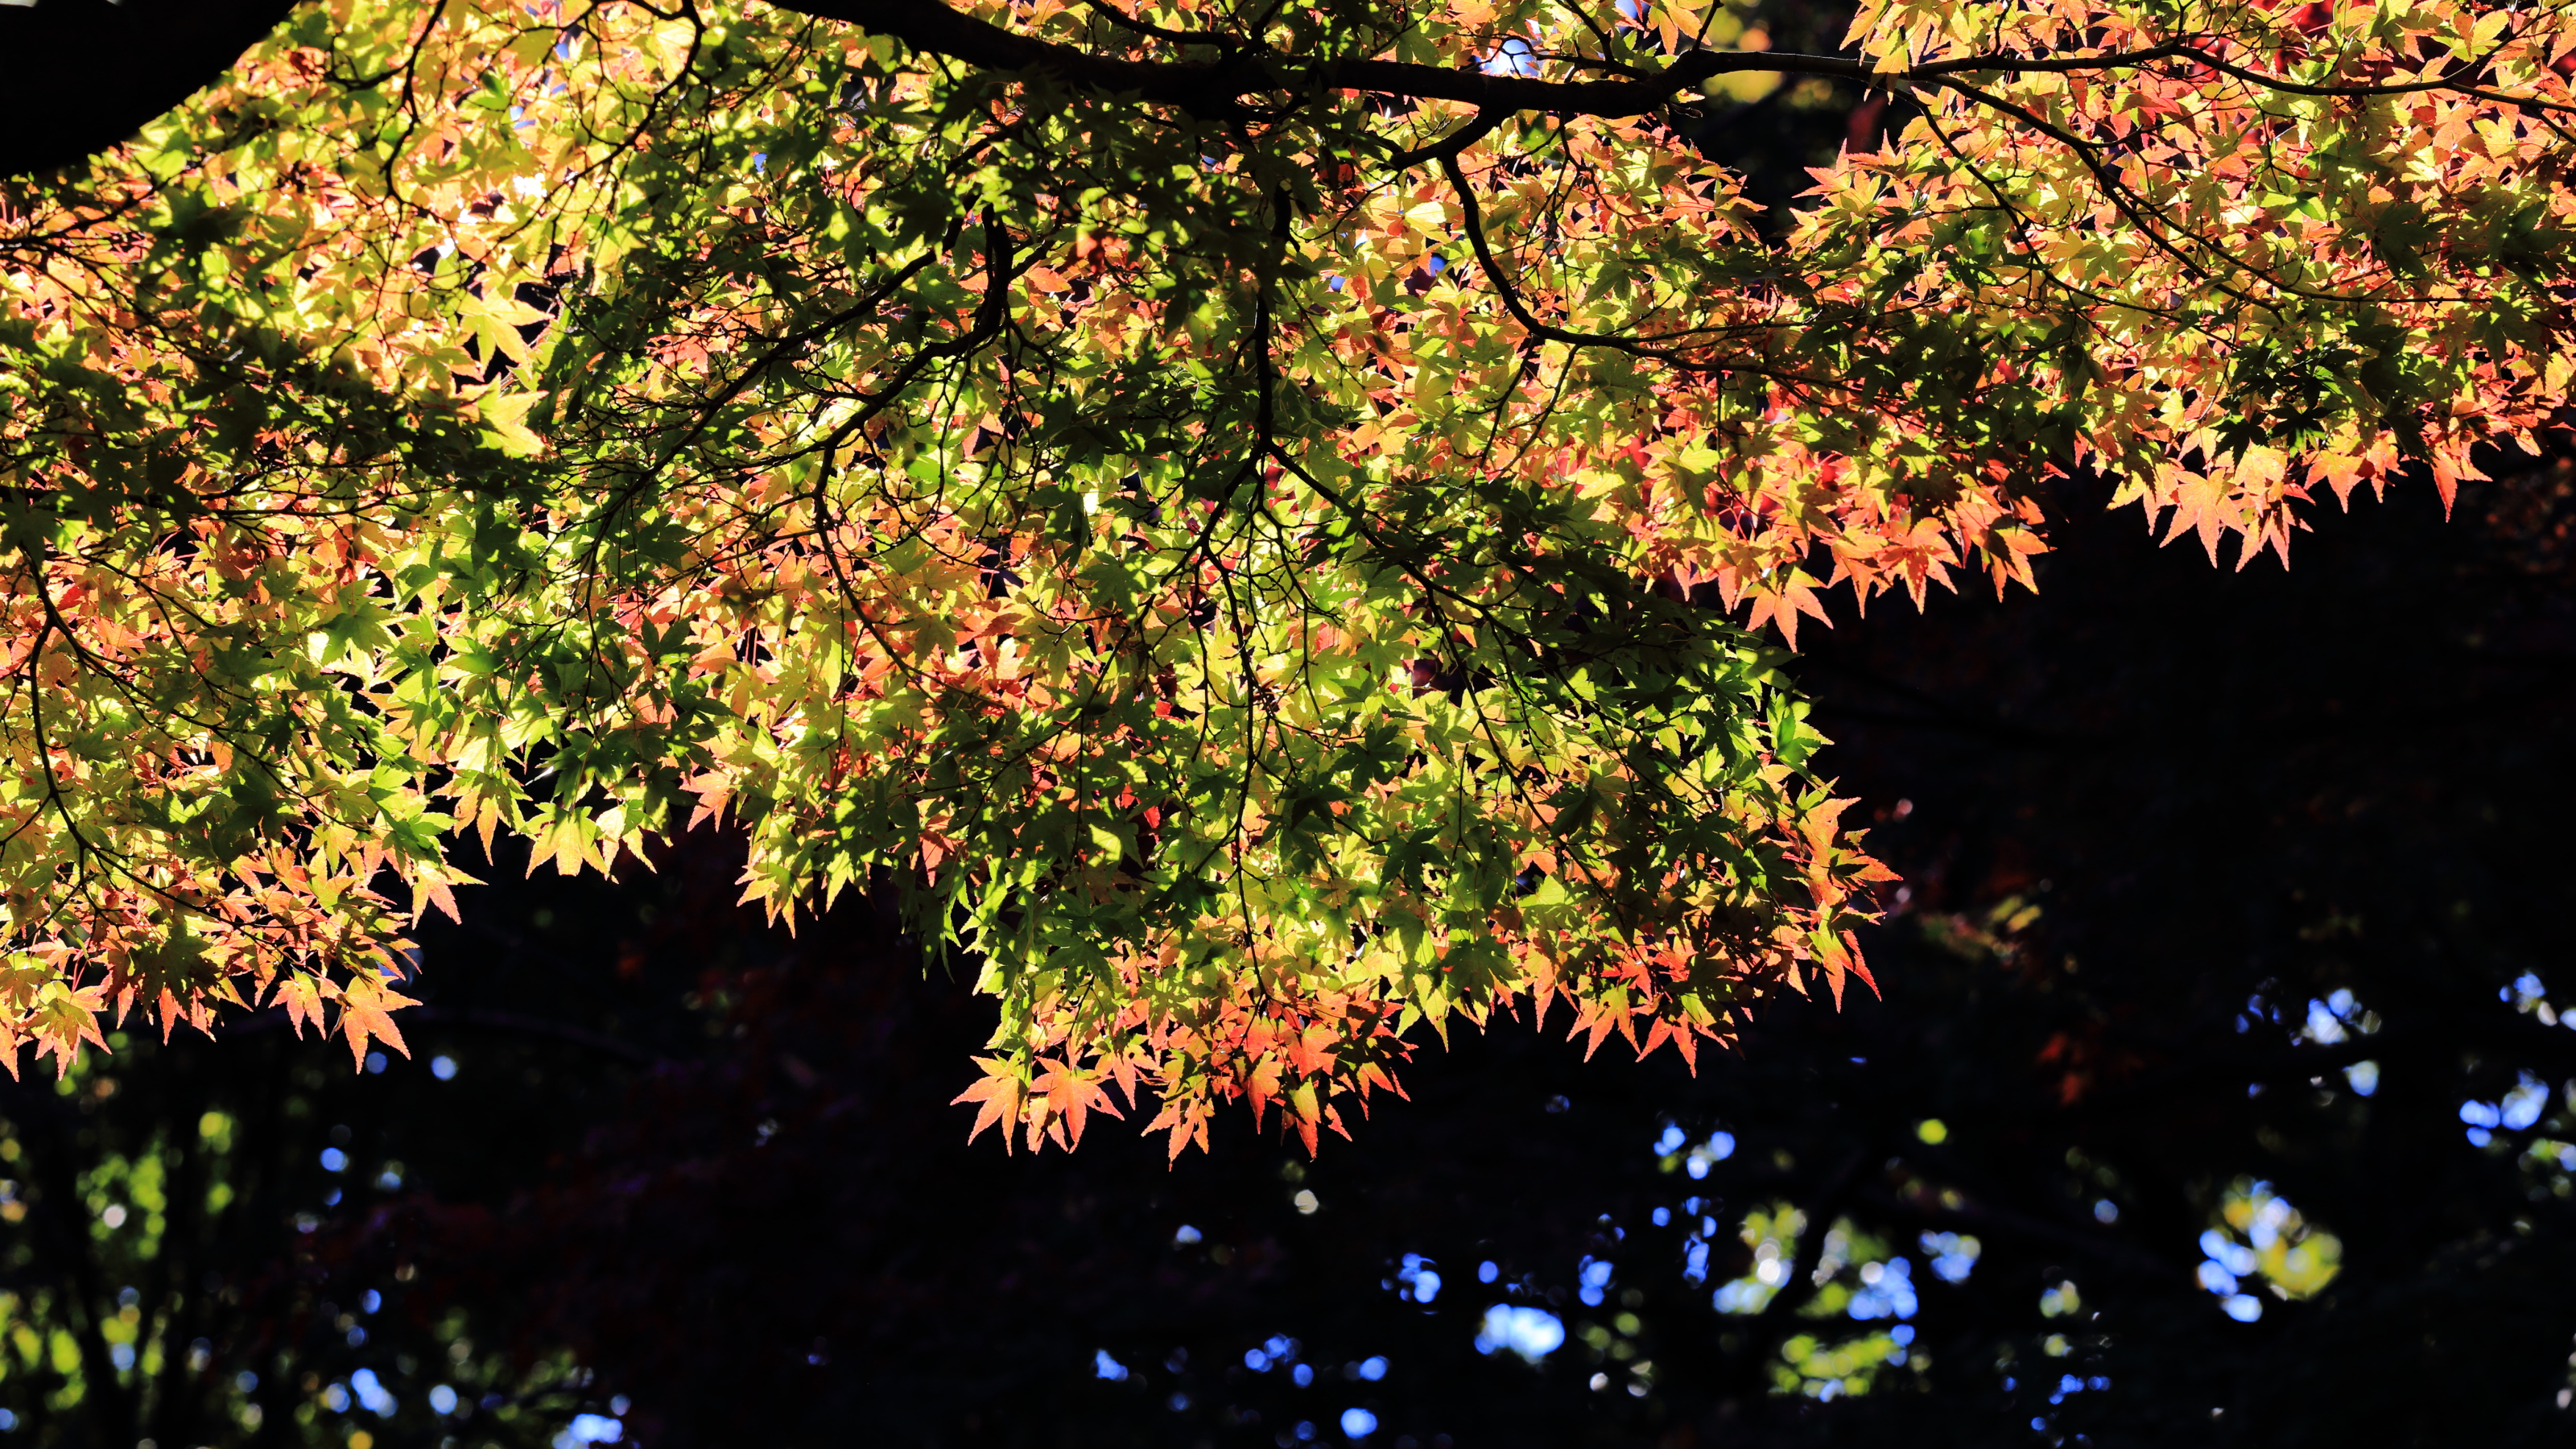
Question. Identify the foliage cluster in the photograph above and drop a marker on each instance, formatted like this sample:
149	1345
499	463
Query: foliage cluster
2232	935
1239	514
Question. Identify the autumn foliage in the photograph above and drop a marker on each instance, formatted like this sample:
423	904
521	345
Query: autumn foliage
1260	523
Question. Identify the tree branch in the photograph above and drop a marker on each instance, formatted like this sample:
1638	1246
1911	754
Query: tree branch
1215	88
57	105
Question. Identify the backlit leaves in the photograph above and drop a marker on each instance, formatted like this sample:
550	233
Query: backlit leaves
1256	569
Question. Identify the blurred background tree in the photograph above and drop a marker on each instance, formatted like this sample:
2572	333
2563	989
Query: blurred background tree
2217	1096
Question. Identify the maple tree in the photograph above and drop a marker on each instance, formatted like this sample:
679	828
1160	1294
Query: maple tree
758	1222
1243	514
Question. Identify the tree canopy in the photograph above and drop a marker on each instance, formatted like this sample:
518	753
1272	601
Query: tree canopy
2226	967
1259	522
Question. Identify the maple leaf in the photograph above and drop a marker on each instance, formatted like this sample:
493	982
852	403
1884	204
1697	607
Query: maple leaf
366	1007
1002	1092
61	1020
1069	1094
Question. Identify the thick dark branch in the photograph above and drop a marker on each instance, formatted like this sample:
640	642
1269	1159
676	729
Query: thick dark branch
1214	87
59	102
